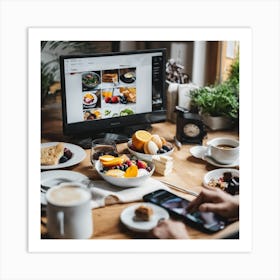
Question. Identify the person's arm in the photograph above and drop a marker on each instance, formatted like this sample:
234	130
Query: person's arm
217	201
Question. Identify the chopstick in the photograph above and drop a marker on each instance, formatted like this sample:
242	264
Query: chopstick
180	189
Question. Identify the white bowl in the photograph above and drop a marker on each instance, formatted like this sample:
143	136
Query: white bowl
125	182
218	173
146	157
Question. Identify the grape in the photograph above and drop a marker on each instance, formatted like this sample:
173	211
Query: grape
67	153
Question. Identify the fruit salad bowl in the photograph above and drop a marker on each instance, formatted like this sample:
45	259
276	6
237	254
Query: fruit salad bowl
123	174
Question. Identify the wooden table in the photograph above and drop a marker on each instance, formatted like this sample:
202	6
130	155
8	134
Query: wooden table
187	173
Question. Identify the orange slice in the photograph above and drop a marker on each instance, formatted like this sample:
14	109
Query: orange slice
106	158
124	157
139	138
113	162
115	173
131	171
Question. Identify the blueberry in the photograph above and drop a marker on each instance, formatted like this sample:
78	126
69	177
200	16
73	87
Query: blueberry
125	166
63	159
165	148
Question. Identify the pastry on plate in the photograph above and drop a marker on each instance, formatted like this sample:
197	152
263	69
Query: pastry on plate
143	213
51	155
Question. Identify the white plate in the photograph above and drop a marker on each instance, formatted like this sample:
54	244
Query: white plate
199	152
127	216
218	173
55	177
78	155
146	157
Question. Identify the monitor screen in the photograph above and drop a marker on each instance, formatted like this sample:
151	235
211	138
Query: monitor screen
109	92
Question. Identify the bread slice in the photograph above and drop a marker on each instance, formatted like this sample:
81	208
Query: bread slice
51	155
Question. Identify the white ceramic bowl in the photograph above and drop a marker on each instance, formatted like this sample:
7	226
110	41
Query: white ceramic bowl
125	182
146	157
218	173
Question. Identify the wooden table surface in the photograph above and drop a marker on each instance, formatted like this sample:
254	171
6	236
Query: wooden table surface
187	173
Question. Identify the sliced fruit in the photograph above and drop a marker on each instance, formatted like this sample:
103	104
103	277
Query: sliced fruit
131	171
115	173
139	138
113	162
106	158
124	157
141	164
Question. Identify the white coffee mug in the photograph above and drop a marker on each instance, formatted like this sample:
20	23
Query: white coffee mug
223	150
69	213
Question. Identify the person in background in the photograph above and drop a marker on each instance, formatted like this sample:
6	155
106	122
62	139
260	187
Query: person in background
209	200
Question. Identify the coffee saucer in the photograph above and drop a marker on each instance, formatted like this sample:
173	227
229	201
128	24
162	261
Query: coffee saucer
200	152
217	164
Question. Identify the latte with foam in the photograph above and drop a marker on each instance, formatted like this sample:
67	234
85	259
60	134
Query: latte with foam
68	195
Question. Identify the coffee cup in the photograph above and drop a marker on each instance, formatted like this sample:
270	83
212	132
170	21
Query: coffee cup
223	150
69	213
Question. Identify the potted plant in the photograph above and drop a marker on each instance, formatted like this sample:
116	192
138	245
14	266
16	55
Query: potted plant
219	104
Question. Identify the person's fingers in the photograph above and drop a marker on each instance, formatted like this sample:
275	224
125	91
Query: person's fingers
206	195
193	206
160	231
218	208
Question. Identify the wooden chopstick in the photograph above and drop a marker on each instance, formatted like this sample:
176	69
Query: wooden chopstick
180	189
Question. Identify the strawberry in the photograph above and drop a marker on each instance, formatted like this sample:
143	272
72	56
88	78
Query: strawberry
141	164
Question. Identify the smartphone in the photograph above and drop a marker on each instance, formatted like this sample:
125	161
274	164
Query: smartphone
177	207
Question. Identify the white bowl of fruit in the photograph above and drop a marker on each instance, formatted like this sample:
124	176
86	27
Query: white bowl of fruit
123	171
145	145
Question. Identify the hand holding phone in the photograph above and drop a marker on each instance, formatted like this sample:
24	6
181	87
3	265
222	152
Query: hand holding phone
217	201
178	207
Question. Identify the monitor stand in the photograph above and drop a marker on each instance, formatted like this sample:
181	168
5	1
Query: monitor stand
119	136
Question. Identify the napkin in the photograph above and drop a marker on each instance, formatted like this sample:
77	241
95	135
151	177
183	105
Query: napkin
104	193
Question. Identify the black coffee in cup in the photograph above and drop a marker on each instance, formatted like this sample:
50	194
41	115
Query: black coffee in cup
225	147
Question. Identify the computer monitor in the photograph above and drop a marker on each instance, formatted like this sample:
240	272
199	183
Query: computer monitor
115	93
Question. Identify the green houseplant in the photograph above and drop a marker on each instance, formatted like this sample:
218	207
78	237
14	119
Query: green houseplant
220	101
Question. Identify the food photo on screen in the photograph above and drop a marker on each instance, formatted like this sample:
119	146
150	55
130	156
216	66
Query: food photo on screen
91	99
91	80
128	75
